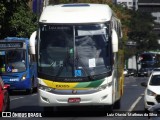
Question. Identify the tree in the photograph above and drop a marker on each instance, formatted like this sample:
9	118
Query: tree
23	22
142	31
3	10
18	19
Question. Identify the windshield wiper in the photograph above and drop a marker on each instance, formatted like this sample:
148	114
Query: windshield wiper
65	62
90	77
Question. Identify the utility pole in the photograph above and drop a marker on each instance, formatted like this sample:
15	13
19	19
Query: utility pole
137	62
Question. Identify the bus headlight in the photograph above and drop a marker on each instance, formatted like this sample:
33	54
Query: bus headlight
45	88
102	87
23	77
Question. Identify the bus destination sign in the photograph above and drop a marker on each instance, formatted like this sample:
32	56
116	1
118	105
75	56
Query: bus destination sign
11	44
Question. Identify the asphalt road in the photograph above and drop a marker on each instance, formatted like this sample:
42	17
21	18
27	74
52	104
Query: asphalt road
132	100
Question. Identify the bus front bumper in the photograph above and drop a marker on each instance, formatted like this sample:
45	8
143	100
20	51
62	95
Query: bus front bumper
19	85
103	97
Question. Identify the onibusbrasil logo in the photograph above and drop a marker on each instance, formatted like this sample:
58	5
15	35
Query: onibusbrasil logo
21	115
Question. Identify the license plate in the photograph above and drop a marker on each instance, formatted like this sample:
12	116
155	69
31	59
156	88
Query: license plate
74	100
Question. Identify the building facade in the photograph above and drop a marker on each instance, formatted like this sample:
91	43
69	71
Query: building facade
130	4
152	7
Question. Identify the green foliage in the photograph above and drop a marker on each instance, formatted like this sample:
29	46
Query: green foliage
23	22
125	16
2	10
2	13
142	31
17	19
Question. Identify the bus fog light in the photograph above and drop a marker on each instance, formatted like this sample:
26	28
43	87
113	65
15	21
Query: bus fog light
104	97
45	99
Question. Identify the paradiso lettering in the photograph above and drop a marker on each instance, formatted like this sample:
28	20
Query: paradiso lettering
58	28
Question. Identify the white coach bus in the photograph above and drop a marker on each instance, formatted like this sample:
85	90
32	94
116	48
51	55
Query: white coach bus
79	56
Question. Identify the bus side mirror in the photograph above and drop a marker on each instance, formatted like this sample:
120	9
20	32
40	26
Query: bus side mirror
32	41
114	41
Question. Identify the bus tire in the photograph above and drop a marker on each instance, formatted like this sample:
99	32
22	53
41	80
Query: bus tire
48	111
10	92
35	90
8	105
108	108
30	91
117	104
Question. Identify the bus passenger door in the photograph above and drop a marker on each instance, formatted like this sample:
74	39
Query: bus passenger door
32	70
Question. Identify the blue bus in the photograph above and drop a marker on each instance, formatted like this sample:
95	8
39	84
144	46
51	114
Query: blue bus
17	66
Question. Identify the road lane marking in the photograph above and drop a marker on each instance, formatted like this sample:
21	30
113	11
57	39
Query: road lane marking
21	97
135	103
33	94
17	98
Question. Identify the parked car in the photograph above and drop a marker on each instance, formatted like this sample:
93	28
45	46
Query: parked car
129	72
4	96
132	72
125	72
145	72
156	69
152	91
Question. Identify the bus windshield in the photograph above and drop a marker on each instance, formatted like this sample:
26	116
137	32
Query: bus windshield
74	50
146	57
148	60
12	61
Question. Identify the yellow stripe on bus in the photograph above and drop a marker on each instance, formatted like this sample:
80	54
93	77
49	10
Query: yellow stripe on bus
62	85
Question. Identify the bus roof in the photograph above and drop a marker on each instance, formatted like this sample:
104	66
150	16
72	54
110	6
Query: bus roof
15	39
76	13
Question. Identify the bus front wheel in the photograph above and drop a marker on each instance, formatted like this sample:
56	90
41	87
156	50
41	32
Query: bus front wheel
30	91
117	104
108	108
48	111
